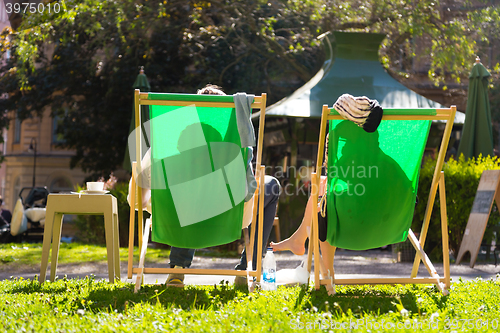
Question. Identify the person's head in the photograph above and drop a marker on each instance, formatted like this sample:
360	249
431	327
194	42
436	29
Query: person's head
210	89
185	139
1	200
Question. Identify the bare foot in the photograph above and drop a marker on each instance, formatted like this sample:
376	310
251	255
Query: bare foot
289	245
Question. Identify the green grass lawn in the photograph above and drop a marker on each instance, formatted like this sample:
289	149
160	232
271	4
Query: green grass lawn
18	257
89	305
95	306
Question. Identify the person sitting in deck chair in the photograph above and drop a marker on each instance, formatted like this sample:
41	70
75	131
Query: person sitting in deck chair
182	257
344	176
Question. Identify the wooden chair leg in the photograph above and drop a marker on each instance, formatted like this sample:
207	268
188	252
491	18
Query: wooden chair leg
56	242
110	244
116	237
131	227
314	238
260	223
444	232
427	262
250	234
47	239
142	257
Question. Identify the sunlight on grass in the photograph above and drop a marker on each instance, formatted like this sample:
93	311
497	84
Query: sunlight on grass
87	305
14	256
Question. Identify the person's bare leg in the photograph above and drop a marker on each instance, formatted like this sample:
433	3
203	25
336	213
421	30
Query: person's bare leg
296	242
327	256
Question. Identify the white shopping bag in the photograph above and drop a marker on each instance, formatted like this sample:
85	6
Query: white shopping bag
299	275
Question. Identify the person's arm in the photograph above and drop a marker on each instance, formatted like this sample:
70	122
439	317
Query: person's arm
145	175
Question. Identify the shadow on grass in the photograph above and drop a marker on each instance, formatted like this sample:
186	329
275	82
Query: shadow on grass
100	295
374	300
187	298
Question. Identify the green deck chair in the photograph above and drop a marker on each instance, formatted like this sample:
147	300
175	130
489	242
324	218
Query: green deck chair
372	186
198	173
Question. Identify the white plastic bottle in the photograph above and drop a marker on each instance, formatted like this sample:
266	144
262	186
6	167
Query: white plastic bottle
269	271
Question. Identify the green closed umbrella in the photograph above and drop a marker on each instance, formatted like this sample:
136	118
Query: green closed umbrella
477	135
141	83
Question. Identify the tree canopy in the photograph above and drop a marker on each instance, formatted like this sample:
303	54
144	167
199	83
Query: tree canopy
83	61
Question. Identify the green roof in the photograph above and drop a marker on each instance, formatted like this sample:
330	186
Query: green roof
352	66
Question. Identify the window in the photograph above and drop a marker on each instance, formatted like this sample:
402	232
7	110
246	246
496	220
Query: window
56	137
57	121
17	130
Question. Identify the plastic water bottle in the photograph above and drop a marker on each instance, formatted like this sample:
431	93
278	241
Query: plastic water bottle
269	271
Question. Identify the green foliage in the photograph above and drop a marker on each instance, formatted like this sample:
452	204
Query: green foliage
461	182
447	34
494	95
82	61
88	305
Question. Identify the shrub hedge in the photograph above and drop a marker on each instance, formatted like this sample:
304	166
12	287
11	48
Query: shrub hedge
461	181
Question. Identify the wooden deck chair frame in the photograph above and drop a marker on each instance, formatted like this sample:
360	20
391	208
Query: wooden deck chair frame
142	99
442	282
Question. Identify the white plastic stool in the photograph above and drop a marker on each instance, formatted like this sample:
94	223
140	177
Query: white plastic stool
79	204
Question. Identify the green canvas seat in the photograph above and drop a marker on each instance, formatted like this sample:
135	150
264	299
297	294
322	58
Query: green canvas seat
373	181
198	175
371	191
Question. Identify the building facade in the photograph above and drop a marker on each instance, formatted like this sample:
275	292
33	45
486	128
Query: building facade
31	155
32	158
